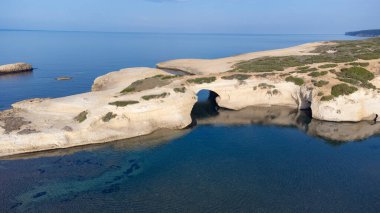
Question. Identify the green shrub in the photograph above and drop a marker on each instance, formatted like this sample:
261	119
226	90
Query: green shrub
357	73
202	80
359	64
128	89
240	77
180	90
344	52
295	80
266	86
108	117
327	66
166	77
327	98
342	89
350	81
162	95
132	87
81	116
320	83
368	85
123	103
306	69
317	74
320	94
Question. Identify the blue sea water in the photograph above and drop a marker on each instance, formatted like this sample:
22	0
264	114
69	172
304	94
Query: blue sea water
87	55
254	160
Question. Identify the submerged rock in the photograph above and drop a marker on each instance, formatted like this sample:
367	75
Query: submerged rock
15	68
63	78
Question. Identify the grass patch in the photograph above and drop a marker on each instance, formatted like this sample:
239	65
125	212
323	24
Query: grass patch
317	74
109	116
149	97
148	83
240	77
320	83
81	116
342	89
202	80
180	90
132	87
123	103
266	86
350	81
295	80
320	94
327	98
343	52
359	64
357	73
324	66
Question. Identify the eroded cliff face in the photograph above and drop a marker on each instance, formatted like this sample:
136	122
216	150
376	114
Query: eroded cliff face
138	101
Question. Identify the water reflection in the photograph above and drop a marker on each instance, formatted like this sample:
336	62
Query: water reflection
143	171
207	113
16	76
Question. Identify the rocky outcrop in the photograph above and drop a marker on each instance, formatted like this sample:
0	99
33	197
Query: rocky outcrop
15	68
138	101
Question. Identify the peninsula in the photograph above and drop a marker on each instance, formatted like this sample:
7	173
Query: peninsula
365	33
339	81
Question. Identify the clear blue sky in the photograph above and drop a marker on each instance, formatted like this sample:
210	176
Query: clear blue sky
204	16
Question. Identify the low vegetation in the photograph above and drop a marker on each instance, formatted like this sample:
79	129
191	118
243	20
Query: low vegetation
204	80
320	83
327	98
180	90
123	103
324	66
359	64
342	89
357	73
357	76
266	86
240	77
295	80
109	116
148	83
340	52
317	74
156	96
81	116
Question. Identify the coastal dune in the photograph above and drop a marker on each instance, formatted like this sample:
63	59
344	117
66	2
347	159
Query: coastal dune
138	101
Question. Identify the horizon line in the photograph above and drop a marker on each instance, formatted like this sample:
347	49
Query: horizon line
152	32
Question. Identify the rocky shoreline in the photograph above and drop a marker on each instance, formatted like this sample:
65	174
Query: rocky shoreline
338	81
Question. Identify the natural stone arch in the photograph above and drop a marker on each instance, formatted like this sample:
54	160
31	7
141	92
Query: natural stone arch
206	105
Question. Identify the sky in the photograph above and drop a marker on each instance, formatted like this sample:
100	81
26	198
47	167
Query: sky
192	16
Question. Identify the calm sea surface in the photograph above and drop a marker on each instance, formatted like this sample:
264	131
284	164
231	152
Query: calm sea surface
254	160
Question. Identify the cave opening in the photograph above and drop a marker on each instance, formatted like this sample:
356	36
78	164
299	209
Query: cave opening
206	106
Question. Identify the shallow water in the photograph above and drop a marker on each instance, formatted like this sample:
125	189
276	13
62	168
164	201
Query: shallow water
253	160
271	161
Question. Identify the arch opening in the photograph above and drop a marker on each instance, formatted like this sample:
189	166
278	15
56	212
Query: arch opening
206	106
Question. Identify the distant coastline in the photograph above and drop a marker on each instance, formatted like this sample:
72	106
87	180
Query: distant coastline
364	33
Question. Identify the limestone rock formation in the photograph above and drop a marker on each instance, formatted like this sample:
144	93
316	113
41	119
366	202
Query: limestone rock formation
339	81
15	68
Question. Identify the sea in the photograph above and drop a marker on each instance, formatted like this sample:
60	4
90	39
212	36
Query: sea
253	160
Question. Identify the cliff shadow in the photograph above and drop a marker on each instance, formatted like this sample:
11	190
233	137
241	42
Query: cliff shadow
205	107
